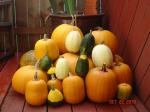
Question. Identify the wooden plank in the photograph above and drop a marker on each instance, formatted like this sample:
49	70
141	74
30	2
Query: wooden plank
14	102
65	108
29	108
108	108
138	33
128	108
147	103
139	105
6	75
86	106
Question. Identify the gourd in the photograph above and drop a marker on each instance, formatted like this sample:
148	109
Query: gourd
123	72
73	41
106	37
60	33
46	46
62	68
87	43
24	75
28	58
72	59
124	91
55	97
36	91
45	63
82	66
73	89
53	82
102	54
101	85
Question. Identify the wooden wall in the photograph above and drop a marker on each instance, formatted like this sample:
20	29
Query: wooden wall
130	21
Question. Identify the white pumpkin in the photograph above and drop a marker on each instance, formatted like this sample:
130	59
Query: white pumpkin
102	54
73	41
62	68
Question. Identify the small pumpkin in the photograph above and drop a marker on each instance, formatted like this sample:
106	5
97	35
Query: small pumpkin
53	82
24	75
28	58
102	54
72	59
46	46
73	41
36	91
123	72
73	89
106	37
60	33
55	97
101	84
62	68
124	91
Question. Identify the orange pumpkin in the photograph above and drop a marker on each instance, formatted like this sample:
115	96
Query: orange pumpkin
123	73
72	59
101	84
60	33
106	37
73	89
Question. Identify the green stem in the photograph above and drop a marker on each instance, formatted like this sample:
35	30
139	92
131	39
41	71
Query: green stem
104	68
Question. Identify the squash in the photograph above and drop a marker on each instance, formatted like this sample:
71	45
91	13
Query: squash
60	33
73	41
87	43
124	91
82	66
72	59
46	46
28	58
45	63
55	97
106	37
62	68
73	89
101	84
53	82
102	54
36	91
24	75
123	72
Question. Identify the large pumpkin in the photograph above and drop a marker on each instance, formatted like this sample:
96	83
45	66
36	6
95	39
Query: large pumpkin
23	75
73	89
106	37
46	46
60	33
123	73
72	59
101	85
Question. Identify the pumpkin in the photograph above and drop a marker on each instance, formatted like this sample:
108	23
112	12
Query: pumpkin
53	82
36	91
24	75
46	46
73	89
62	68
102	54
60	33
106	37
73	41
123	72
124	91
72	59
28	58
101	84
55	97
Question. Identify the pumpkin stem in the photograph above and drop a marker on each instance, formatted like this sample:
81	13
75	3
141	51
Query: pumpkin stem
91	32
104	68
70	74
53	76
61	56
45	36
98	28
36	76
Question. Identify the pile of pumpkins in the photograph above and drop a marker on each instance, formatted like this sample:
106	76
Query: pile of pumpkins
69	66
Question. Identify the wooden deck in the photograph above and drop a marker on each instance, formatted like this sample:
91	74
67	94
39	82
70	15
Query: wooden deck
10	101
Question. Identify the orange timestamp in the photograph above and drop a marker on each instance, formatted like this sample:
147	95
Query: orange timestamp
123	102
